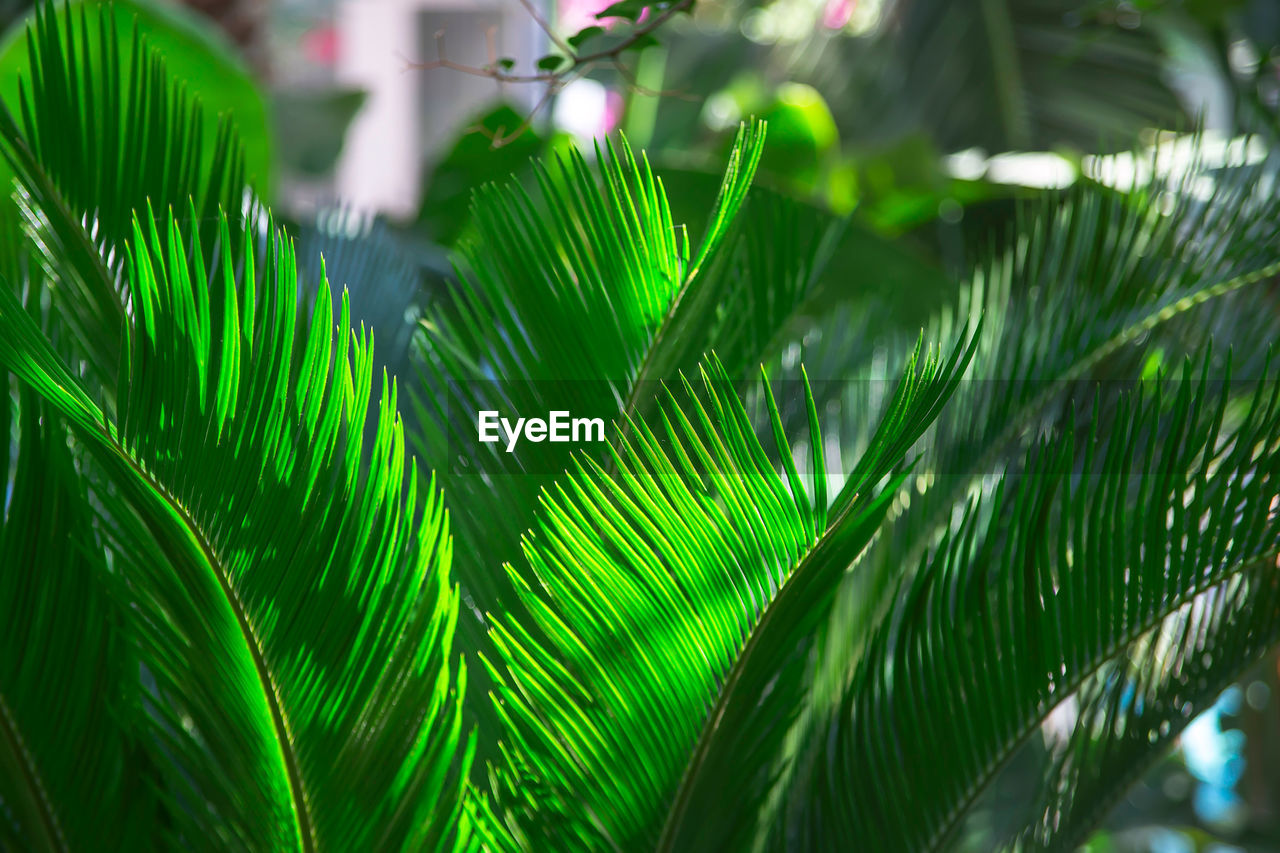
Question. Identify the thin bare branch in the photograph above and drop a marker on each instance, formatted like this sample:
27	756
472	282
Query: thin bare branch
545	27
498	138
578	63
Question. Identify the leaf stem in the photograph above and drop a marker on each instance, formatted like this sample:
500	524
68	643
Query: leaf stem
16	757
287	751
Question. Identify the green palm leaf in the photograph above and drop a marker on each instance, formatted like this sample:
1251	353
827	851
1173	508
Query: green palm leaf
560	305
291	597
664	593
388	279
1093	573
1099	285
102	130
772	265
69	774
113	130
1133	711
1098	278
582	299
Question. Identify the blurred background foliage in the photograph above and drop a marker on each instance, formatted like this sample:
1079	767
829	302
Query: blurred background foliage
912	128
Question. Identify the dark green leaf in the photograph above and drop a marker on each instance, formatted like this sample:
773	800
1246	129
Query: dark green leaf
551	62
628	9
1102	574
576	40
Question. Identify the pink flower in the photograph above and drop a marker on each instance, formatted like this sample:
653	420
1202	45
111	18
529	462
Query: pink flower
838	13
576	15
321	45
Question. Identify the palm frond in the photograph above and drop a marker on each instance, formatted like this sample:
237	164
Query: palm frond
102	130
69	778
773	262
582	301
1133	710
315	703
1098	286
113	130
665	593
1119	562
561	304
1097	274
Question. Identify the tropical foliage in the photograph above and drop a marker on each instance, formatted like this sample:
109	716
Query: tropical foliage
825	583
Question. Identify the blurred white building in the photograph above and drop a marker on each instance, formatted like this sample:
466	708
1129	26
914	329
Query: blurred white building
410	113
